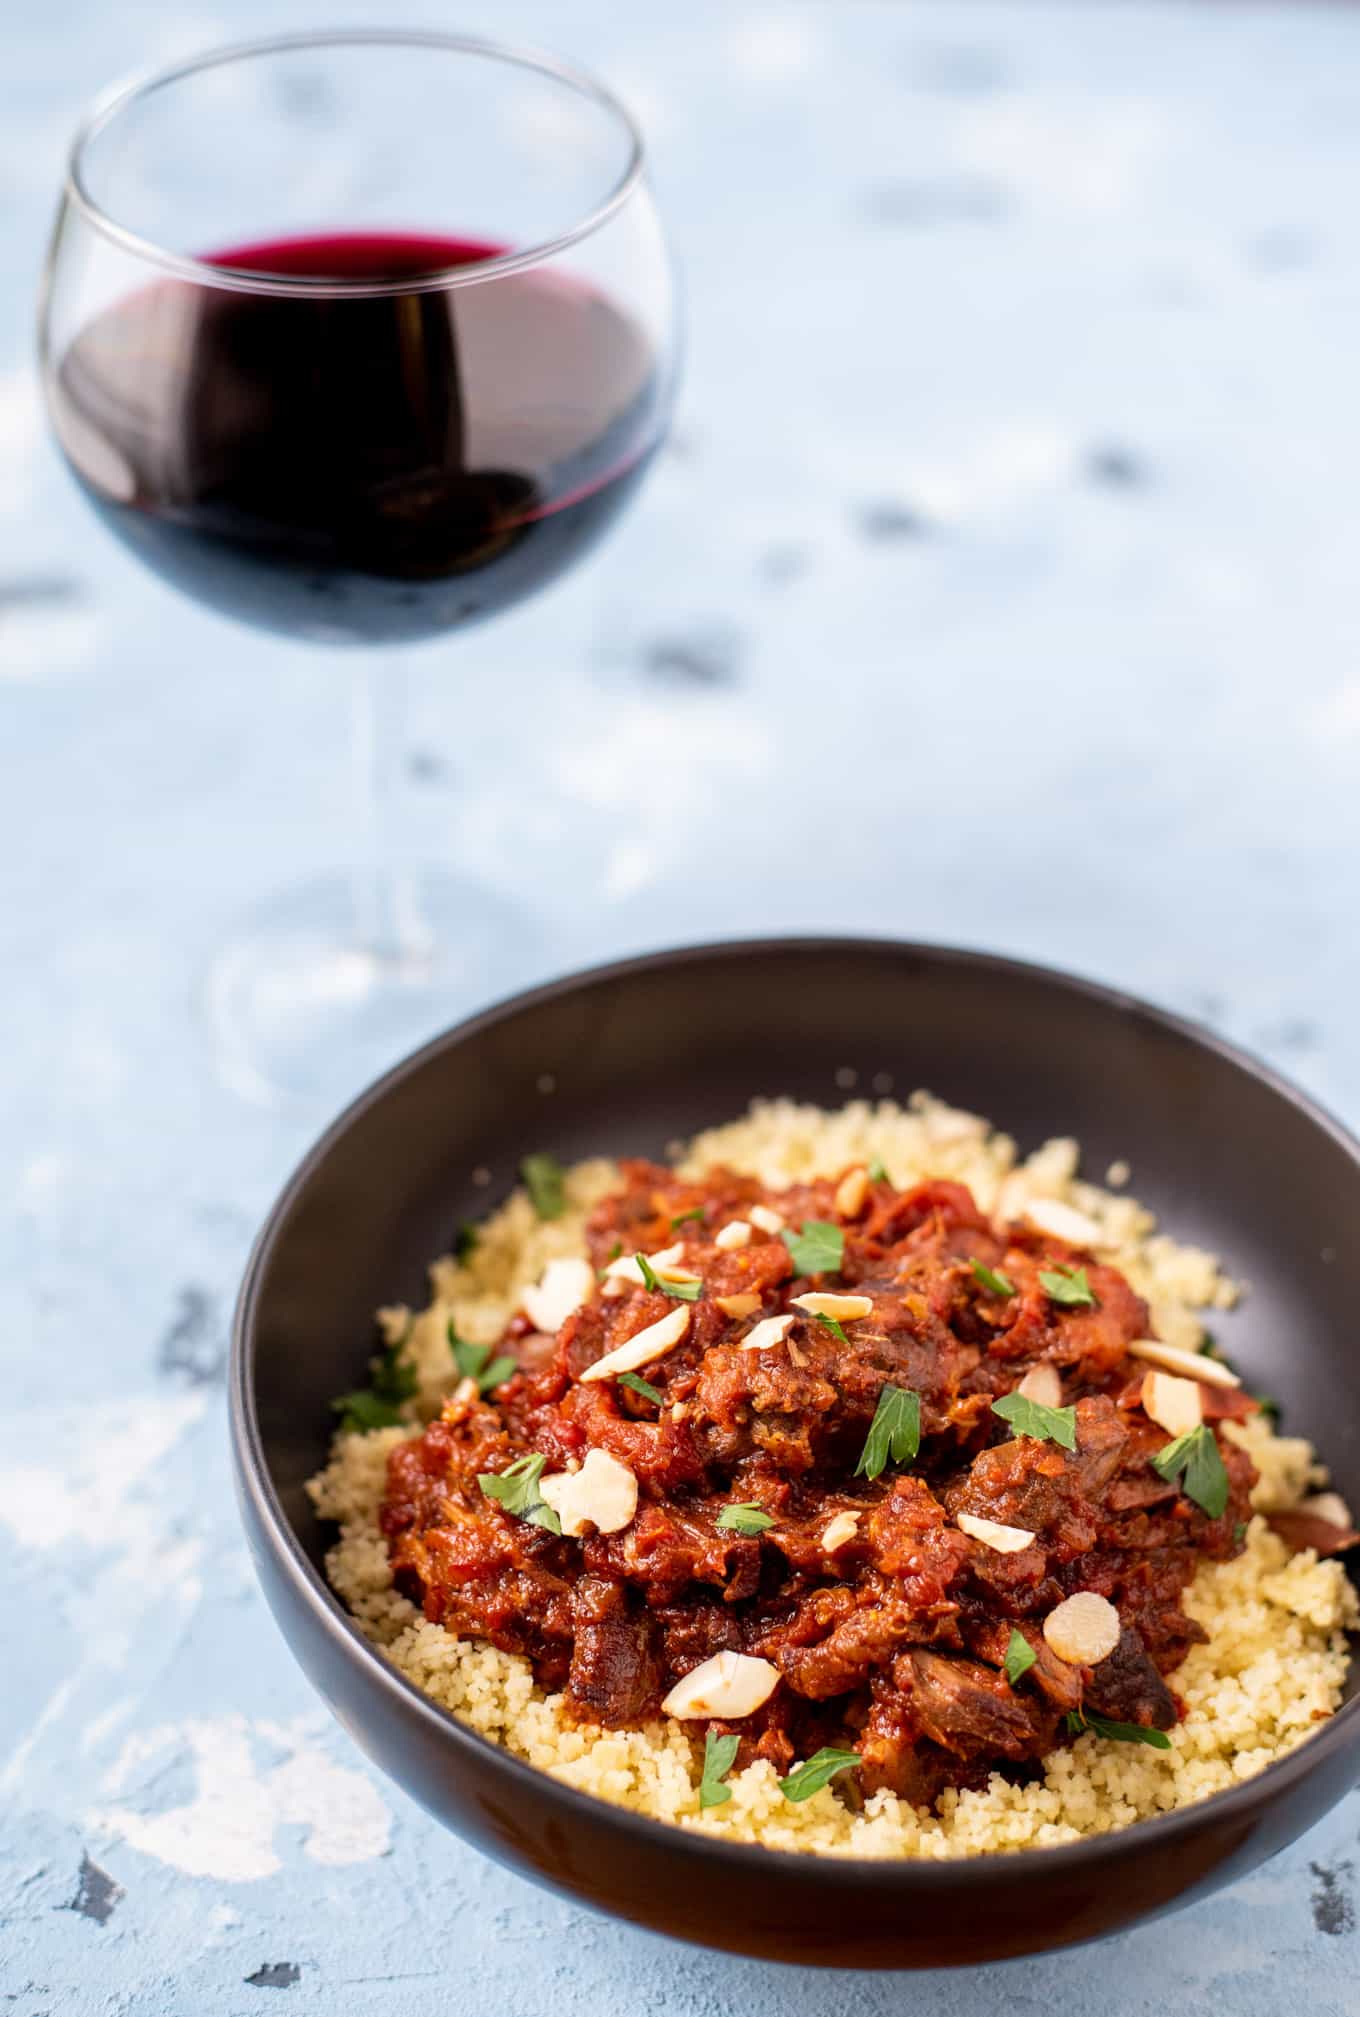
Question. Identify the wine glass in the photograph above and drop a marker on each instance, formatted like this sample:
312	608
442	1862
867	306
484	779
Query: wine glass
360	337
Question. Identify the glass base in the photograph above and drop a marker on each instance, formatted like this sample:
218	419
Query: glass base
304	1013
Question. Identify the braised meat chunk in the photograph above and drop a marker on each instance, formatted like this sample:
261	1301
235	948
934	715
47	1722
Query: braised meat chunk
843	1466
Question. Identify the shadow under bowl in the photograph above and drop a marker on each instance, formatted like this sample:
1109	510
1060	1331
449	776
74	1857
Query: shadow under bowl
629	1058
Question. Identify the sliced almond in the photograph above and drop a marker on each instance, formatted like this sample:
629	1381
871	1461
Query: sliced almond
1005	1540
564	1286
770	1331
653	1343
1084	1630
744	1305
1042	1384
1328	1506
602	1494
768	1221
1176	1405
843	1309
839	1530
1191	1365
679	1410
730	1685
613	1289
1064	1222
465	1392
736	1233
851	1192
627	1267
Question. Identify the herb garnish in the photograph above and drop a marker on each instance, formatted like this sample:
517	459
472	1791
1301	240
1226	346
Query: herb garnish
719	1755
876	1173
464	1240
378	1406
516	1489
1020	1656
818	1250
683	1218
1269	1406
830	1324
1069	1286
544	1179
745	1518
1194	1458
641	1386
1032	1418
992	1279
683	1292
894	1432
817	1771
471	1361
1078	1720
1239	1532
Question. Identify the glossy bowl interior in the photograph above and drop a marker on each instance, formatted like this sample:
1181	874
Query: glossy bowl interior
627	1059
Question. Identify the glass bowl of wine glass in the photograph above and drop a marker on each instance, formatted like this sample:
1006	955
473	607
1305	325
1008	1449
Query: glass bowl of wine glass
360	338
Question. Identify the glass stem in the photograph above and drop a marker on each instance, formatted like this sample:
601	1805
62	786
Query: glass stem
387	918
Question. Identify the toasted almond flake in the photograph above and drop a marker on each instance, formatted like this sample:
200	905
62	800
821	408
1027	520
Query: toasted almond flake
1064	1222
744	1305
1192	1365
730	1685
602	1494
679	1410
1005	1540
564	1286
1176	1405
465	1392
770	1331
839	1530
736	1233
768	1221
851	1192
1084	1630
653	1343
666	1263
1042	1384
843	1309
796	1358
1328	1506
614	1288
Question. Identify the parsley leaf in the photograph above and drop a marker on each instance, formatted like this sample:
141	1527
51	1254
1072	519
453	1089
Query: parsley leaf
1020	1656
641	1386
378	1406
876	1173
472	1362
544	1179
830	1324
1069	1286
1078	1720
894	1432
516	1489
683	1218
817	1771
683	1292
746	1518
992	1280
818	1250
719	1755
1195	1459
1032	1418
465	1240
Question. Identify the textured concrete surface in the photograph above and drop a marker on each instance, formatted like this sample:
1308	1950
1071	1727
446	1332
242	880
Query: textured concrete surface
1005	555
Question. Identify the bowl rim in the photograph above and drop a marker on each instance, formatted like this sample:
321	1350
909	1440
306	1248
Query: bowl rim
929	1875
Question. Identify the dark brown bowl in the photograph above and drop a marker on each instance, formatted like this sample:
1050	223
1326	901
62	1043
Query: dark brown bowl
637	1055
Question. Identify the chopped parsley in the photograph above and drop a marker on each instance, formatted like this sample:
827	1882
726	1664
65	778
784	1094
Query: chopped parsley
1078	1720
1194	1458
465	1240
818	1250
683	1292
378	1406
876	1173
895	1432
992	1280
472	1362
746	1518
641	1386
516	1489
1239	1533
830	1324
719	1757
1032	1418
1068	1286
544	1179
683	1218
1020	1656
817	1771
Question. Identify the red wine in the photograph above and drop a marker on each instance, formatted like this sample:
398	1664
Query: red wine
362	468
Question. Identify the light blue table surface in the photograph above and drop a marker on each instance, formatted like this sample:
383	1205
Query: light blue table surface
1007	552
